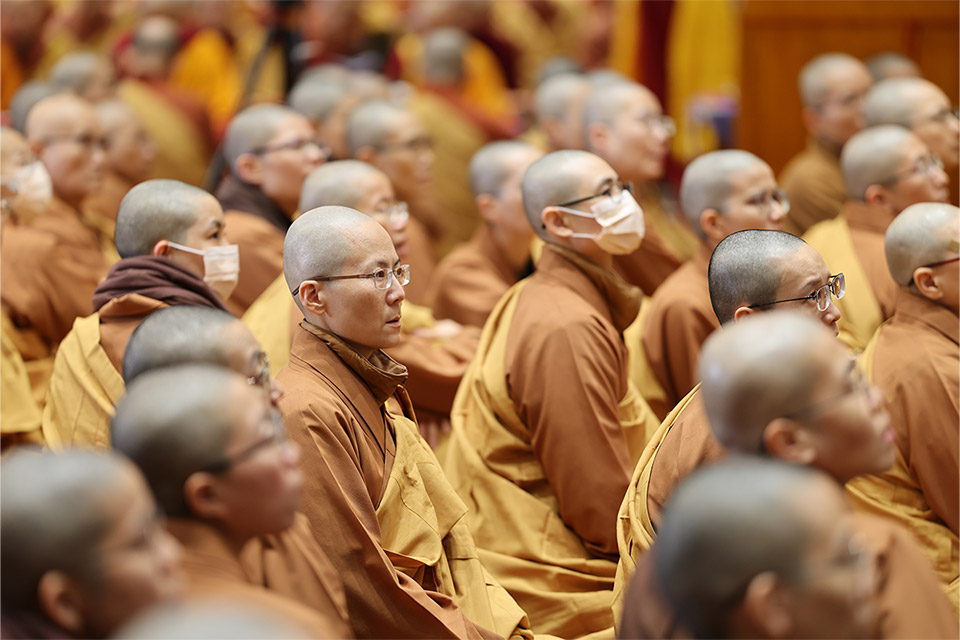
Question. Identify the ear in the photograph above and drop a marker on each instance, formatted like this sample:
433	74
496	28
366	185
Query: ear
487	206
312	298
365	154
36	148
162	248
926	283
785	439
598	137
202	498
61	600
743	312
876	195
553	222
711	222
764	607
249	168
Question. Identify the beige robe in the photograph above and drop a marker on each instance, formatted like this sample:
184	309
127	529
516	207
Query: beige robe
814	183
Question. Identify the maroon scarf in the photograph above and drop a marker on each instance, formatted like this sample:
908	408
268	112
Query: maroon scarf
157	278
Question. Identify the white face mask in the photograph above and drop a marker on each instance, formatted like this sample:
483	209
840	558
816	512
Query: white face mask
621	222
221	266
33	191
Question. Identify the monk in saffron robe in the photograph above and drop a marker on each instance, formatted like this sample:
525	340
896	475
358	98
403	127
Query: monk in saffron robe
624	124
83	548
721	192
548	396
161	227
832	88
471	280
221	491
885	170
270	150
780	384
914	360
377	498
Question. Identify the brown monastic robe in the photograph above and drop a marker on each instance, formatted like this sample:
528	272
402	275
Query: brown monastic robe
814	183
678	323
105	201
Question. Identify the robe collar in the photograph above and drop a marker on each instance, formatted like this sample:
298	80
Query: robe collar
918	310
622	299
381	373
205	550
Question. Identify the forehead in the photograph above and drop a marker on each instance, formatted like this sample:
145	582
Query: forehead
911	149
71	116
292	127
640	100
846	76
801	272
371	246
404	125
208	209
375	184
757	176
592	171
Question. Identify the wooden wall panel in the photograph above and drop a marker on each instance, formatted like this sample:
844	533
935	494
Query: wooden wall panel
779	37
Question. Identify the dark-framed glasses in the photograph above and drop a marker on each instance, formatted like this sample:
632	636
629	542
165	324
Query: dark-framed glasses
611	191
660	122
382	277
836	286
277	436
766	200
300	144
262	376
419	144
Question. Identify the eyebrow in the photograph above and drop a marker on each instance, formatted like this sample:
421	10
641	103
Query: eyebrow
215	224
605	182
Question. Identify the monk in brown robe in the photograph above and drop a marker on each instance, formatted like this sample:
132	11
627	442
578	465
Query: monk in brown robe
83	547
925	109
394	141
378	501
781	385
885	169
721	192
548	396
558	106
240	480
914	360
270	150
471	280
624	124
832	88
161	227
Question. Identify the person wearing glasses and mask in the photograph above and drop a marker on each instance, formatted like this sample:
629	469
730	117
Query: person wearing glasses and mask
624	124
721	192
750	272
885	169
779	385
832	88
214	451
377	500
914	359
546	424
171	237
270	150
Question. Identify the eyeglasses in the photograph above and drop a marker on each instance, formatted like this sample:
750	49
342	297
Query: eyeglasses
419	144
382	278
278	435
942	262
612	191
836	286
846	101
766	200
262	377
88	141
393	216
665	124
858	383
944	114
294	145
928	164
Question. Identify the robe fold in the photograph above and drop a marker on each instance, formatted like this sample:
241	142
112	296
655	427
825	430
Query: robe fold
379	504
679	321
546	399
852	243
814	183
19	412
914	359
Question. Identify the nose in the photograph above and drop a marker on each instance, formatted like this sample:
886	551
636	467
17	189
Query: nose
169	554
777	212
395	293
831	315
276	392
291	453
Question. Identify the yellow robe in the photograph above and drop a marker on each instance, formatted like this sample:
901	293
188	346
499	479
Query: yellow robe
19	412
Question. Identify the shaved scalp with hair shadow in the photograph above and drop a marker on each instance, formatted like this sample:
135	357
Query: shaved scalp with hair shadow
490	167
745	269
174	422
724	525
76	70
813	80
609	100
370	124
555	93
706	182
552	179
316	98
252	128
872	156
156	210
896	101
336	183
28	95
177	335
922	234
53	515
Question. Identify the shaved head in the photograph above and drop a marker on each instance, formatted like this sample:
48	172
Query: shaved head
370	124
493	164
889	64
922	234
707	182
212	620
156	210
341	183
559	65
764	367
443	51
552	179
180	335
745	269
872	156
28	95
115	114
316	98
54	115
555	94
725	525
897	101
90	75
814	81
174	422
254	127
609	100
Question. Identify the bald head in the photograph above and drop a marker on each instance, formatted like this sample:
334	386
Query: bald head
342	183
815	77
443	51
157	210
55	115
253	128
898	101
747	268
726	524
55	514
179	335
763	367
174	422
316	98
609	100
114	115
555	94
28	95
708	182
493	164
554	178
370	124
889	64
87	74
872	156
922	234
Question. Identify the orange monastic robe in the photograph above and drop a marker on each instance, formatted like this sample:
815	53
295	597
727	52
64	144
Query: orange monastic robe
105	201
814	183
261	256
